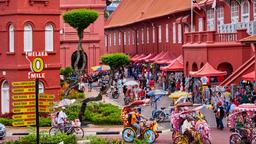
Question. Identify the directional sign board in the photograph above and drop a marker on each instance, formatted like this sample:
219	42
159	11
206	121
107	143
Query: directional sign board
24	123
23	103
23	90
46	96
24	116
23	83
23	96
23	110
45	103
45	109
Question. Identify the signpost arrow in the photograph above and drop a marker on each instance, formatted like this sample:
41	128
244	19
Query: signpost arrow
24	123
23	96
23	110
45	103
23	103
24	116
23	83
45	109
46	96
23	90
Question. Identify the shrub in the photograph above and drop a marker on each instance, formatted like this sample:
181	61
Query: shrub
115	60
44	122
99	140
72	111
6	121
80	95
47	139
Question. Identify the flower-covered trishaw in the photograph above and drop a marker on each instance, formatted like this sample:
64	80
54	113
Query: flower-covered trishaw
148	129
242	124
189	125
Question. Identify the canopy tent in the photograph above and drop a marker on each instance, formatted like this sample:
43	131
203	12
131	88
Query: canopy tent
207	70
135	59
160	57
165	60
155	57
145	57
174	66
180	59
250	76
135	56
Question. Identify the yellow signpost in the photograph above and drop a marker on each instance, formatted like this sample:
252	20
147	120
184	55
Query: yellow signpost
23	83
23	96
24	116
23	110
24	123
41	109
46	96
23	90
45	103
23	103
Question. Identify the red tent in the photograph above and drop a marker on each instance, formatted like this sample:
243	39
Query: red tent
146	57
250	76
207	70
155	57
174	66
136	58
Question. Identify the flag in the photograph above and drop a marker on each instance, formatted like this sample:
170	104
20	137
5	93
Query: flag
214	4
195	4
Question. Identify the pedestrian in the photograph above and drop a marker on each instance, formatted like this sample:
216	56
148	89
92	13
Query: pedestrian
219	114
61	119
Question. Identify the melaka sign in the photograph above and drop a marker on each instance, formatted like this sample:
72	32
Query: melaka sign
37	64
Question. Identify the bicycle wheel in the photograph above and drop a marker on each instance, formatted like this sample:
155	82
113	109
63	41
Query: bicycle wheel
78	132
54	130
161	116
235	139
149	136
128	135
180	140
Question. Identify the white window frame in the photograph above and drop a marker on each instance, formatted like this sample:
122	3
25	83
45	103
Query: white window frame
234	12
129	38
210	20
147	35
167	33
245	13
133	38
142	36
119	38
159	33
200	24
174	32
110	39
106	41
154	34
11	38
28	38
220	15
254	9
41	87
179	33
49	38
124	38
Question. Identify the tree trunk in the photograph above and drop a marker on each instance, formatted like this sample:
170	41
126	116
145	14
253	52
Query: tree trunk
103	91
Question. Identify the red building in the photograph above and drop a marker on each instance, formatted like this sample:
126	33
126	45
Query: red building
164	25
28	26
93	43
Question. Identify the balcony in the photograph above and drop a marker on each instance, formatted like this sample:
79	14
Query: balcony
213	36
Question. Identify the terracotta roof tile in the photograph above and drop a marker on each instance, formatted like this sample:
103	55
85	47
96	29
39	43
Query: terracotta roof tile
251	38
132	11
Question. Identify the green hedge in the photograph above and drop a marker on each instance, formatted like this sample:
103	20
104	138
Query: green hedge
44	122
47	139
97	113
6	121
99	140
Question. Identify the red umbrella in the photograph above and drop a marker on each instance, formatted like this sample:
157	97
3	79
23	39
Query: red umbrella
246	107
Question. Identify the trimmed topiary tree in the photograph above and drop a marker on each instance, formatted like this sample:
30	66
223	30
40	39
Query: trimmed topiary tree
79	19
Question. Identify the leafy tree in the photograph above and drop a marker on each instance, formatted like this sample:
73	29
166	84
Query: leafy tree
115	60
79	19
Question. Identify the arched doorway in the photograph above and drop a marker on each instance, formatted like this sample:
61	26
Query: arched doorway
194	67
5	97
226	67
80	62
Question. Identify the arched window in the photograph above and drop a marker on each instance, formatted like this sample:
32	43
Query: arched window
234	12
49	37
220	15
210	20
28	38
245	7
11	38
41	87
5	97
194	67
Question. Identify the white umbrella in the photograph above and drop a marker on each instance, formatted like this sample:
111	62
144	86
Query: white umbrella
131	83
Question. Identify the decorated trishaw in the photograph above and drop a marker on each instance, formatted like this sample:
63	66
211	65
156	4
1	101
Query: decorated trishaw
189	125
179	95
148	129
242	124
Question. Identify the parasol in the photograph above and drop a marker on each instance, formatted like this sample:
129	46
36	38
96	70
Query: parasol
100	68
137	103
156	92
131	83
246	107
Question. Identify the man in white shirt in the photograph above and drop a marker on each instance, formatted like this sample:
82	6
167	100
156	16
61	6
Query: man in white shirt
61	119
